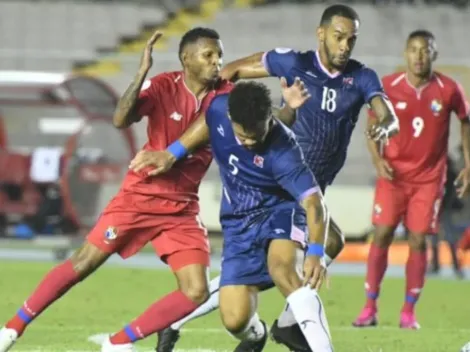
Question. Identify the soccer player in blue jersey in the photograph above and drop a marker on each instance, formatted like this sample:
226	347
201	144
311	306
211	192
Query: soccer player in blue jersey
340	87
264	177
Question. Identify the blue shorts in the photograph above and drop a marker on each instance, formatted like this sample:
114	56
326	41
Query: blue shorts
244	256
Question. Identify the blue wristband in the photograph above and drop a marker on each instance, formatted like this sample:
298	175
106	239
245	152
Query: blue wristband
177	149
316	249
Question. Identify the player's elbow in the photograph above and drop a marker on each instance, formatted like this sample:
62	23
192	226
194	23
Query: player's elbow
121	121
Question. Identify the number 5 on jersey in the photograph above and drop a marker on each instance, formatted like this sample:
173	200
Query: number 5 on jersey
328	101
233	160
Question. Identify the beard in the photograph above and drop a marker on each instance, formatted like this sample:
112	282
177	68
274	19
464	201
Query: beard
331	58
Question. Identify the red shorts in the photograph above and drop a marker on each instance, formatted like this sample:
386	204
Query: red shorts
178	240
417	206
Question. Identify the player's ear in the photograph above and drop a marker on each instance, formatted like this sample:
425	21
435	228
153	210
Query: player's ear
184	58
321	34
434	55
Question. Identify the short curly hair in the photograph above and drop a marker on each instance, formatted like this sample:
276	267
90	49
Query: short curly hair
249	104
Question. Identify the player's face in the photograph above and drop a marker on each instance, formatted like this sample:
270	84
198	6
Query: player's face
204	59
338	40
252	139
419	54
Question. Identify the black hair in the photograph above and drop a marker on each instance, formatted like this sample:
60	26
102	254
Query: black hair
193	35
421	33
249	104
338	10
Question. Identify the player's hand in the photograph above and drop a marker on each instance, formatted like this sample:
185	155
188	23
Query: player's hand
383	169
296	95
383	130
462	182
146	60
158	161
314	271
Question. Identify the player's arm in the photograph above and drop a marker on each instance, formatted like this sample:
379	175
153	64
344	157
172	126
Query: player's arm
461	107
245	68
272	63
381	165
387	124
294	176
194	137
129	109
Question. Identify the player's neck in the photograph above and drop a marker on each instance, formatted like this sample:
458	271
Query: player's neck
197	88
418	81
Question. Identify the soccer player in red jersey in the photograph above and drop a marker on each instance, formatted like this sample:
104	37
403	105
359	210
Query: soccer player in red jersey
160	210
412	169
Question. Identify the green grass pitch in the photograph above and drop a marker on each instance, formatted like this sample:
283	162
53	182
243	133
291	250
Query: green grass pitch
114	296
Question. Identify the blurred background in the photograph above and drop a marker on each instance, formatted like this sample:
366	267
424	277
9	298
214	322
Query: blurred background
63	65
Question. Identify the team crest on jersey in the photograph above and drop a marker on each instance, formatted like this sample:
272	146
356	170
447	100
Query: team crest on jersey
436	106
258	161
377	209
348	81
111	233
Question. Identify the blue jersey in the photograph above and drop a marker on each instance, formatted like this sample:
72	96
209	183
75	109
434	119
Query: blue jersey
325	123
256	183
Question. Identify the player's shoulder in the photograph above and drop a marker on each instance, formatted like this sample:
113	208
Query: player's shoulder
166	82
217	106
167	78
393	79
446	82
223	86
294	56
358	69
283	137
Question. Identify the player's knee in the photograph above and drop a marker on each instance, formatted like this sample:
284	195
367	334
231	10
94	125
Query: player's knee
335	242
87	259
192	281
196	291
285	276
383	236
417	242
235	319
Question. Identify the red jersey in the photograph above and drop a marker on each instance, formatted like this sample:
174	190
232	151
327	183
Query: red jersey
170	108
418	154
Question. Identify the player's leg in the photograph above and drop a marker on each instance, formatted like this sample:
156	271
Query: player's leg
183	245
304	302
334	246
389	205
100	244
421	218
285	325
334	243
435	266
243	268
451	236
238	304
211	304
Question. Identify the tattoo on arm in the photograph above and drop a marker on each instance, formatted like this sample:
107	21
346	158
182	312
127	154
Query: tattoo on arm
125	113
319	216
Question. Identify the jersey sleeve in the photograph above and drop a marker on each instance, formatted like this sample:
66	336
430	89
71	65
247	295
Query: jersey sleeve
460	103
370	84
278	62
149	96
217	106
292	173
